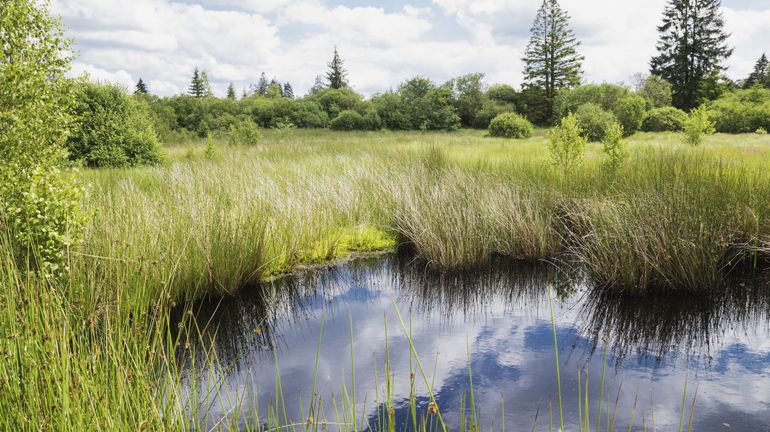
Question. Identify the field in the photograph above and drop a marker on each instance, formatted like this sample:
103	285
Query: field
215	218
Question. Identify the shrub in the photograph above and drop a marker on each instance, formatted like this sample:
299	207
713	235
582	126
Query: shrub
627	107
656	92
348	120
489	111
112	129
630	112
613	147
567	144
392	111
39	201
428	107
761	131
244	132
372	120
335	101
284	128
696	126
667	119
594	121
510	125
743	111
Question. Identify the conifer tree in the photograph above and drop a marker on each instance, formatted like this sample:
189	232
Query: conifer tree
206	85
288	92
551	59
196	88
691	49
263	86
141	87
231	91
337	75
318	85
760	75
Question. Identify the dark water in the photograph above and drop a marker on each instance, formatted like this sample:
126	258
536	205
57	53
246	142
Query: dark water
497	320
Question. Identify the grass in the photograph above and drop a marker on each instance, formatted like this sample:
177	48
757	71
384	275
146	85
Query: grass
95	350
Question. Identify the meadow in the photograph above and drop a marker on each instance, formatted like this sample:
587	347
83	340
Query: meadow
95	350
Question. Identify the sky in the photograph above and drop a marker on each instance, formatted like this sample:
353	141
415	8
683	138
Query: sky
382	43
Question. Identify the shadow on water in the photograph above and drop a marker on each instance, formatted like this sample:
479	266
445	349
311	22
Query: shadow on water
497	320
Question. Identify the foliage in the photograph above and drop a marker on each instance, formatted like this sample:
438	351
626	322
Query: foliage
112	129
594	122
141	87
39	201
743	111
510	125
627	107
551	60
697	125
760	76
392	111
199	85
348	120
664	119
468	96
428	107
231	92
489	110
284	128
692	48
656	91
335	100
337	75
614	148
244	132
566	145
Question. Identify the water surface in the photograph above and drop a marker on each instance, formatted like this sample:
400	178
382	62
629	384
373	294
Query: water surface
498	322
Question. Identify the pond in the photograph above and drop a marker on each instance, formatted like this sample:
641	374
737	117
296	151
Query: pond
493	327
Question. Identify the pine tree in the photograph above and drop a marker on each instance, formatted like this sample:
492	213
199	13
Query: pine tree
231	92
337	75
551	60
691	48
263	86
196	88
318	85
288	92
206	85
760	75
141	87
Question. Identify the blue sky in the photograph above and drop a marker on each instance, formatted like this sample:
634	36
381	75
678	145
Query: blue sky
383	43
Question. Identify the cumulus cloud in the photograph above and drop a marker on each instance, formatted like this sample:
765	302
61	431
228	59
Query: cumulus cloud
291	40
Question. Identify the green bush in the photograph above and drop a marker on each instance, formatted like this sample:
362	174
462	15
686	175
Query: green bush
696	126
666	119
335	101
614	148
40	213
244	132
112	128
743	111
348	120
594	121
510	125
567	144
392	111
489	110
628	107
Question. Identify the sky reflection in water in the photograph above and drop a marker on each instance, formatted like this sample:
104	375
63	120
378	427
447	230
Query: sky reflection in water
500	316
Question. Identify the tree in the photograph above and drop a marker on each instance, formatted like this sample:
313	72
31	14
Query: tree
206	85
551	60
231	92
337	75
39	198
691	49
468	96
655	90
197	87
318	85
262	86
141	87
760	75
288	92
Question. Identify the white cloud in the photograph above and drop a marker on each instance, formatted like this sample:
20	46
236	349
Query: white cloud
236	40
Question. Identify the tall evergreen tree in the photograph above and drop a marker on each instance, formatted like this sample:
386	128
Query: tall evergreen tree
141	87
231	92
288	92
196	88
691	49
206	85
337	76
262	86
318	85
760	75
551	61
